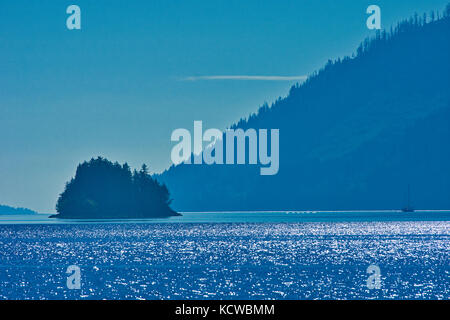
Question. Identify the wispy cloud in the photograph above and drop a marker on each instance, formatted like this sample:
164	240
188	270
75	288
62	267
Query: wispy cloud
246	77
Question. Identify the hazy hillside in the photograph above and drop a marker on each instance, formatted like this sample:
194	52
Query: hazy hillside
353	136
4	210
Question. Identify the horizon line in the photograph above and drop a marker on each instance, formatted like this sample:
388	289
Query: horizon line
246	78
315	211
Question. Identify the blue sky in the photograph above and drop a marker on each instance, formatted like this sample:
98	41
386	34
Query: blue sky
137	70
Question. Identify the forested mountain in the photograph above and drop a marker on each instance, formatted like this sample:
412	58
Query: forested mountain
353	136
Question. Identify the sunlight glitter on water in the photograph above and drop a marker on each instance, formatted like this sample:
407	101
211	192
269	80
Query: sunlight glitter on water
226	261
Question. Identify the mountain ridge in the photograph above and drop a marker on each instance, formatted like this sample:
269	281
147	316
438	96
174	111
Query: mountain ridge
352	136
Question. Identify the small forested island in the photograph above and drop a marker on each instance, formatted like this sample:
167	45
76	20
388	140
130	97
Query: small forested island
7	210
102	189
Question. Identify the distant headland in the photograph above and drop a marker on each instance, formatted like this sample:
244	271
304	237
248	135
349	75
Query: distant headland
102	189
7	210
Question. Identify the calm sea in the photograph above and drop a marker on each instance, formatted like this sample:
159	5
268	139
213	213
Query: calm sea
229	255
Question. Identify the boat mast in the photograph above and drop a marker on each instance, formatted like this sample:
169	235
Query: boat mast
408	199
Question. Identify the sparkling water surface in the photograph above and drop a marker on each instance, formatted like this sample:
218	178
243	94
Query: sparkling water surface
226	260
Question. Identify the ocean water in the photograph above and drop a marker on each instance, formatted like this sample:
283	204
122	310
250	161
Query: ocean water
278	255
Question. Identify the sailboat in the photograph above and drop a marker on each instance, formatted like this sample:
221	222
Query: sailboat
408	207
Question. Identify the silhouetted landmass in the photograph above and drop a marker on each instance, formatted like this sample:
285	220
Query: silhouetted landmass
7	210
352	136
105	190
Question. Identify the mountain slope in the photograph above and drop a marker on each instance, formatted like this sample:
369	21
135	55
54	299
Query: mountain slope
353	136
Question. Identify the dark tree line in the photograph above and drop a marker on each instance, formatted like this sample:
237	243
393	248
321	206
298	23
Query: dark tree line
380	41
102	189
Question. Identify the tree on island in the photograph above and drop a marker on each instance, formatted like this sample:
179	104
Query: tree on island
102	189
